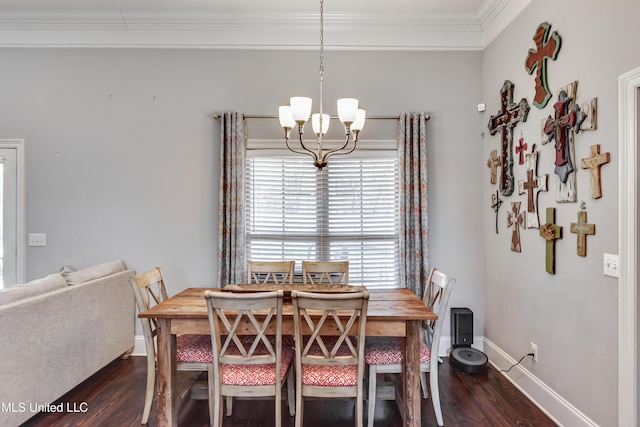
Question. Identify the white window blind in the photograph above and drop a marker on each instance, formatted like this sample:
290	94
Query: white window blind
349	211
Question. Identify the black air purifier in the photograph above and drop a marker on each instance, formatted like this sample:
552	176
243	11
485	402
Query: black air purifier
463	357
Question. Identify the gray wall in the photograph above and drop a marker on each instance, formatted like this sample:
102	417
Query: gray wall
572	315
122	152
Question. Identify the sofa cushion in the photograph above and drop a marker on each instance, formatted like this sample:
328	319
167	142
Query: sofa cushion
93	272
35	287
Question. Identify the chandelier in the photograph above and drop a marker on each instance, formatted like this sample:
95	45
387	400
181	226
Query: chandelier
299	111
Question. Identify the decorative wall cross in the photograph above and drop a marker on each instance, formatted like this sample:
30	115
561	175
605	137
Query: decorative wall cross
593	163
509	116
551	232
493	163
532	186
515	219
582	229
496	202
520	148
547	47
562	128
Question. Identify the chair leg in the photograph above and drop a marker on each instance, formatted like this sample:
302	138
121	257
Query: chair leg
359	405
229	400
299	402
423	385
215	402
371	402
151	387
435	391
291	393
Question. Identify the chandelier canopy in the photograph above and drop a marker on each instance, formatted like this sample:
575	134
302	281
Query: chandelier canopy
299	110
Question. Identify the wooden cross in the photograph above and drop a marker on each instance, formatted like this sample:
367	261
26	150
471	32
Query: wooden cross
563	128
582	229
496	202
593	163
520	150
509	116
515	219
493	163
551	232
546	48
558	128
532	186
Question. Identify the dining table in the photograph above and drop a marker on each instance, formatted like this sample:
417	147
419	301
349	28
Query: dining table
391	312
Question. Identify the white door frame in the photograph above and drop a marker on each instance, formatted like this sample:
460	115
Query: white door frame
18	145
628	87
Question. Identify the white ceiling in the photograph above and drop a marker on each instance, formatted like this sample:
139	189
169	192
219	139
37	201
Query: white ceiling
273	24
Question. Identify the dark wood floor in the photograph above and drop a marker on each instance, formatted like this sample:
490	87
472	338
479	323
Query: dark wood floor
115	397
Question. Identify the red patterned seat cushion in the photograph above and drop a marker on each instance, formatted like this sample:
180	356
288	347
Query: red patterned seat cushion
330	376
388	351
261	374
193	348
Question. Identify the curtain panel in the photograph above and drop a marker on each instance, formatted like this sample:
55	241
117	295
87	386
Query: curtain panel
231	215
413	203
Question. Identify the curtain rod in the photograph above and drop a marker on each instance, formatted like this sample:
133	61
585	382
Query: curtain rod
216	116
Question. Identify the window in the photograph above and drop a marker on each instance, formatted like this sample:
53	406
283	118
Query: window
348	211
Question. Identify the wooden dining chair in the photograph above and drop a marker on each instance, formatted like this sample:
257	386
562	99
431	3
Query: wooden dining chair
192	351
383	355
325	272
263	272
329	366
252	364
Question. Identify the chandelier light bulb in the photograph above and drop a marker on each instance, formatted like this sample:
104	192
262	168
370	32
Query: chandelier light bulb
300	108
358	123
286	118
315	123
347	109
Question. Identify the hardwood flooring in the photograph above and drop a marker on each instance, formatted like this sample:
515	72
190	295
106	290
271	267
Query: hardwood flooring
115	397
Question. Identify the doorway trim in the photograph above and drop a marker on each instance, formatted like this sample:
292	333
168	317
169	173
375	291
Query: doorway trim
628	87
18	145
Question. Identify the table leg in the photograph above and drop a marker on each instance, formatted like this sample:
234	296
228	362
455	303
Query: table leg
166	383
411	375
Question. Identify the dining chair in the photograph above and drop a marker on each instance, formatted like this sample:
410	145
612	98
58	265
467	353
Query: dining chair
325	272
329	366
383	355
251	364
192	351
263	272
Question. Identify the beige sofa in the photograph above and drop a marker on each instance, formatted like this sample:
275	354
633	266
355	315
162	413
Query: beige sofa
58	331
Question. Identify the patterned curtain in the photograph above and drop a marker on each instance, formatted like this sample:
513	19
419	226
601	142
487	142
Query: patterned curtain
414	219
231	240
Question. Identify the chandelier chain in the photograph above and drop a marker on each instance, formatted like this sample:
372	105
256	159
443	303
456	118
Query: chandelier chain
321	59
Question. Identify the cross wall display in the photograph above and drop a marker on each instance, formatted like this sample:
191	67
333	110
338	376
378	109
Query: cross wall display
566	119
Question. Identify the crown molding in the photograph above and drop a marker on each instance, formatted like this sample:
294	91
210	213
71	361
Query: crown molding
191	29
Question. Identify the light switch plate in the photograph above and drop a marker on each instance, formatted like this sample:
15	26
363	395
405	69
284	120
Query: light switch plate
37	239
611	265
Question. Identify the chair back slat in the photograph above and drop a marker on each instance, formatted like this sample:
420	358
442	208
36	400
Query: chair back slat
313	311
264	272
436	297
232	314
325	272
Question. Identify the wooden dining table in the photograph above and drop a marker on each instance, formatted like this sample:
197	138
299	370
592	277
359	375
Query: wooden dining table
391	312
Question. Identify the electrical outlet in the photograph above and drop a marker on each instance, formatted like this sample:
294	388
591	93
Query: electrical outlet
534	350
611	265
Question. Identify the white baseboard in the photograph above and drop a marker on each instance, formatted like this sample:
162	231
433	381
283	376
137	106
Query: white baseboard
550	402
139	348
